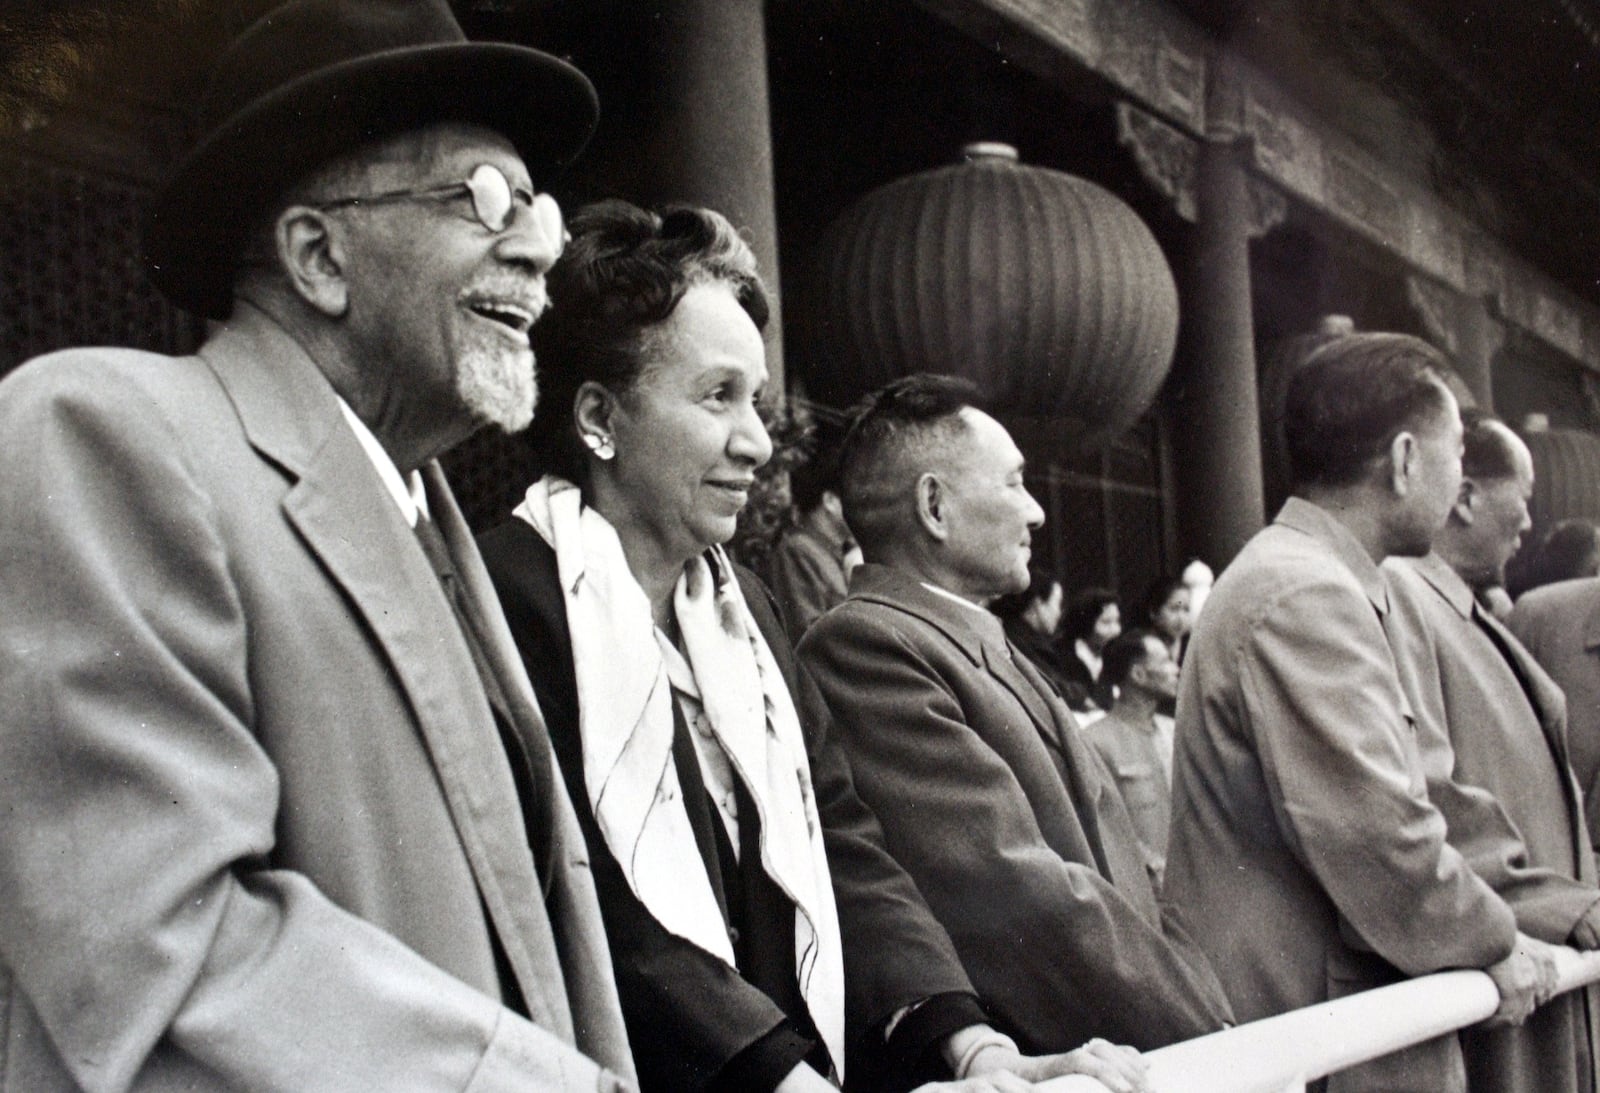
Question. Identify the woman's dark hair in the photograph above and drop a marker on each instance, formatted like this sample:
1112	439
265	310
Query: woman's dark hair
622	274
1084	610
1158	595
1013	604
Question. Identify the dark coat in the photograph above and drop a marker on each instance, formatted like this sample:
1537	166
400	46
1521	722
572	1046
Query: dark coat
1006	820
689	1013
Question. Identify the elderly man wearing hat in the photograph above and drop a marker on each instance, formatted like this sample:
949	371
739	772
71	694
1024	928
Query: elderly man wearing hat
261	829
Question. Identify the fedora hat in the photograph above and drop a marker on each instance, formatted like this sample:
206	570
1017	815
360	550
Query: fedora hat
314	79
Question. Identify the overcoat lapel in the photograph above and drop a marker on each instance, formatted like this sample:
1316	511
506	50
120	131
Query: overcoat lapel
340	507
1060	737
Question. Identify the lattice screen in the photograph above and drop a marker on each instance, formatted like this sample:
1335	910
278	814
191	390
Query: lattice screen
69	267
489	474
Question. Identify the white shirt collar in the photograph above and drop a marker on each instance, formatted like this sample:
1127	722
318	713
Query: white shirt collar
947	594
407	491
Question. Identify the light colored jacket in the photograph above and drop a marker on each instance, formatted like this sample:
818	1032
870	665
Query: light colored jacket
1305	857
261	831
1560	625
1492	728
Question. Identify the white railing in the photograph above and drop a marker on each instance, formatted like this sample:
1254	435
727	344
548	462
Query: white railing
1281	1054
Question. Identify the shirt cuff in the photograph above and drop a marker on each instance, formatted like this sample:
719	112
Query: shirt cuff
913	1047
759	1067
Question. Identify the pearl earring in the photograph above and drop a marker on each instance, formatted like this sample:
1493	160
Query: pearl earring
600	445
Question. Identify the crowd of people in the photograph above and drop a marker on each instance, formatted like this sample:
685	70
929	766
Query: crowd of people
307	788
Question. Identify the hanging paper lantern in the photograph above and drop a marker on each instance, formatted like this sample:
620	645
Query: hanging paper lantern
1046	290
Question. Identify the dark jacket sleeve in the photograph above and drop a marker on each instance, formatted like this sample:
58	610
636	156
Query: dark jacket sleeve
691	1018
895	953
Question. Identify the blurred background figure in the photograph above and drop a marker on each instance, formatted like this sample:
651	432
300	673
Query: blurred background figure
1198	579
1092	619
808	569
1032	619
1569	550
1560	625
1135	737
1167	612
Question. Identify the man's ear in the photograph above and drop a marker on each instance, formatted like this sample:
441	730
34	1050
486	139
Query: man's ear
1465	510
931	503
1403	455
312	252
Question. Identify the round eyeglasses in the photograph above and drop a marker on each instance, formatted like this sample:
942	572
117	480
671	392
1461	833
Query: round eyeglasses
494	202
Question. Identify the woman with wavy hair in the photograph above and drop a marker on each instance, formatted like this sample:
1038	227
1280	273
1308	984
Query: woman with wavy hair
739	875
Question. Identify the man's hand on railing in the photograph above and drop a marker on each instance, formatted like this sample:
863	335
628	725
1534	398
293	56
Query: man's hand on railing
1120	1069
1526	980
1586	934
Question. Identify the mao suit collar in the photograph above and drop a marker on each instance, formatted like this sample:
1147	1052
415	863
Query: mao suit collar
1548	702
1446	582
337	502
1311	519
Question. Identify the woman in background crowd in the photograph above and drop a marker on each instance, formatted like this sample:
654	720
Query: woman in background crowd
1092	620
1032	621
1166	611
738	872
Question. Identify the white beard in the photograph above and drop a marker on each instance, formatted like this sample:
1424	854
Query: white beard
497	384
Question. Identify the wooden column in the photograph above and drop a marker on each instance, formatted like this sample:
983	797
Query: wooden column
1216	423
711	141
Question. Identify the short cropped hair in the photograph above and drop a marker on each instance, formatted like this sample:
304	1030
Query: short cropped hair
1013	604
1123	652
620	277
1352	397
893	437
1084	609
1486	446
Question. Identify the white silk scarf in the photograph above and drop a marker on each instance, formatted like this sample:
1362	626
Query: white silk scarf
625	722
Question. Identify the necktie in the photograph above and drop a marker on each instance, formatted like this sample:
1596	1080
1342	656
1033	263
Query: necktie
531	768
433	545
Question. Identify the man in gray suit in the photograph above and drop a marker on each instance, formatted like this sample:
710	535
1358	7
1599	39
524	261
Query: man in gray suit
1560	624
262	831
971	760
1491	727
1305	855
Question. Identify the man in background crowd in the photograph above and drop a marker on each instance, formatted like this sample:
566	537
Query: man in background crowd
262	831
810	564
1135	738
1491	727
1305	855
